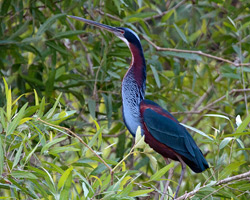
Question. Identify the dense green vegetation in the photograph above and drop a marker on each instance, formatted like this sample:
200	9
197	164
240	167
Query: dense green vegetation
62	134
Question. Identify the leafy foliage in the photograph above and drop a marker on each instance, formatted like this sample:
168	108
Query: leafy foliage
61	76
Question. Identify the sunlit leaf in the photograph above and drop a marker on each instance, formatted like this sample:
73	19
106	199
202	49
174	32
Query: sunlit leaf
17	119
230	168
225	141
64	177
48	23
140	193
197	131
23	174
243	125
181	34
161	172
155	73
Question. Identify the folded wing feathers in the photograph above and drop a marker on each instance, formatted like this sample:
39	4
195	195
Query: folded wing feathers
170	133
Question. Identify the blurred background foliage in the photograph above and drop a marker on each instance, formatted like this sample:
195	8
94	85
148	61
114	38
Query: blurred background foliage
56	71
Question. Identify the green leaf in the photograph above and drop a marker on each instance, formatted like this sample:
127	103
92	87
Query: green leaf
231	75
66	189
167	15
2	118
91	106
139	139
41	108
216	115
52	110
140	193
5	7
1	156
50	83
56	150
47	24
117	5
85	190
181	34
244	26
220	116
18	155
197	131
230	168
23	174
237	134
225	141
243	125
138	16
156	76
12	126
57	47
36	98
29	40
23	189
32	151
188	56
68	34
232	22
84	180
114	74
153	160
54	141
8	100
21	30
156	176
64	177
93	140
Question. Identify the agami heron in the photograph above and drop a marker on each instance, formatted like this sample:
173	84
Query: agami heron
162	130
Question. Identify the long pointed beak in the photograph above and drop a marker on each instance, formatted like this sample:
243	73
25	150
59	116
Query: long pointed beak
116	31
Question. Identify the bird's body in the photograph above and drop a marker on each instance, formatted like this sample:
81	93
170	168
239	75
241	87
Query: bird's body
162	131
133	89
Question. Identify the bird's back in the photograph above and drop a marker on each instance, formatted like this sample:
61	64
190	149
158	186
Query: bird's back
168	137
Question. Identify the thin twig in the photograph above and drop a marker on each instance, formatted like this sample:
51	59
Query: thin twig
223	97
196	52
165	12
212	103
221	182
203	97
85	144
107	135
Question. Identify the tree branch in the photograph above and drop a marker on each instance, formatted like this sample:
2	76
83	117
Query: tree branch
212	103
196	52
221	182
81	141
203	97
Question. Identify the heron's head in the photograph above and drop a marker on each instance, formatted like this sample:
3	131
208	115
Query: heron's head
125	34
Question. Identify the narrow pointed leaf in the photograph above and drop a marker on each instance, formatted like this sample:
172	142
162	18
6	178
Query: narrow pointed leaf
161	172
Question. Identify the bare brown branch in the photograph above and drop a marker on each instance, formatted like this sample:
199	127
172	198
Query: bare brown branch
221	182
196	52
203	97
208	107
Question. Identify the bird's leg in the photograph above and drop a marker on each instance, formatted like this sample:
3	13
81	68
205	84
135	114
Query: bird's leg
183	166
170	175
